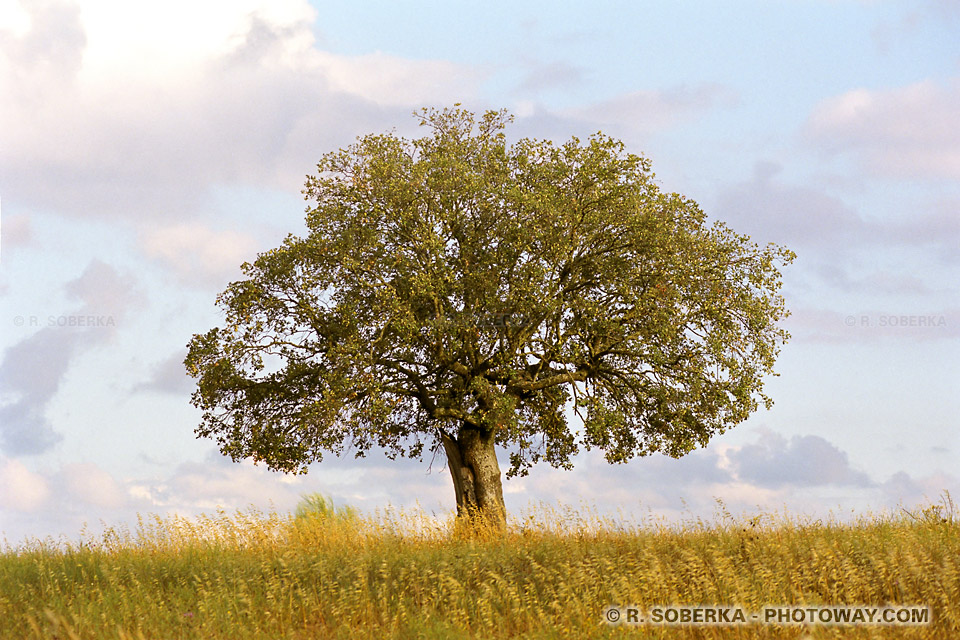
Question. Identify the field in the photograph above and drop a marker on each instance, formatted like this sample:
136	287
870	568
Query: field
337	575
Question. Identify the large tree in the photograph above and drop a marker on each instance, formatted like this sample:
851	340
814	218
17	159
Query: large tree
457	292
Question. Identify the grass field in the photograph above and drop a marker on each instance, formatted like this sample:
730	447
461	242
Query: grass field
254	575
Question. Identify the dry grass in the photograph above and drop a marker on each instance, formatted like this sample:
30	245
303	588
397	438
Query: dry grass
255	575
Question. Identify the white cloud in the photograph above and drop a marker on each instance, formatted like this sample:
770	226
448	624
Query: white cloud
228	485
392	81
654	111
198	254
160	42
903	132
61	502
638	118
17	231
14	18
20	488
91	485
137	110
805	475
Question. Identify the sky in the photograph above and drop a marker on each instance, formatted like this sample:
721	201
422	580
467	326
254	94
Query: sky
149	149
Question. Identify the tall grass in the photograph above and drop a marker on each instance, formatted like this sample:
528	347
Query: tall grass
405	575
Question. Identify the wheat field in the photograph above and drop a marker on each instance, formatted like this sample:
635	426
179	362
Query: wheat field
405	575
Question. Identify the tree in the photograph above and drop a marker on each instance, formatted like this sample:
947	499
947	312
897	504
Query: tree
458	292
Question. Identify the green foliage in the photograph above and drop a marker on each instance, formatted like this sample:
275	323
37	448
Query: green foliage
455	281
409	576
316	506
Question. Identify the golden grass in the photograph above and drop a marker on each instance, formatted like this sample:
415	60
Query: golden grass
255	575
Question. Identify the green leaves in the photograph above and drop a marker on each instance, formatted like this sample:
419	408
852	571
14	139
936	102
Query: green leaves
456	282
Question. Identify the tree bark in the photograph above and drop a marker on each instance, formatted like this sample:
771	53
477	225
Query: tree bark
476	476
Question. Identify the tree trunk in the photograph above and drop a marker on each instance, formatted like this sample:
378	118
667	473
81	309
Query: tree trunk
476	476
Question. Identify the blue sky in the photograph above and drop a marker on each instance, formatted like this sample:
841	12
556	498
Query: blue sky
147	150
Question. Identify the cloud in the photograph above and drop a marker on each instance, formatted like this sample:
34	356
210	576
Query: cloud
550	75
879	281
16	231
906	132
916	25
368	483
90	485
31	372
198	254
33	369
645	112
169	376
102	290
633	117
767	473
868	326
829	236
219	483
802	461
154	105
48	47
390	81
802	472
20	488
938	229
902	489
797	216
656	485
63	501
50	503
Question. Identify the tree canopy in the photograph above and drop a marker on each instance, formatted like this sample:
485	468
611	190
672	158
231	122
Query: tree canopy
458	291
